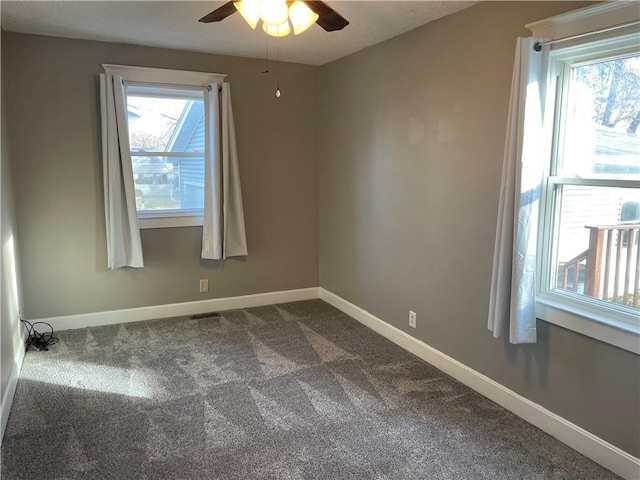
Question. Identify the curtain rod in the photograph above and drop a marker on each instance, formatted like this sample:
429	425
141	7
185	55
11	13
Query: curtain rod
538	46
181	85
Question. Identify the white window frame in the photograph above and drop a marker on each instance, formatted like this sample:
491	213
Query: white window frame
166	78
610	324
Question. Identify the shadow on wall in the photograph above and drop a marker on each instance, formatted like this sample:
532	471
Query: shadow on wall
220	264
536	355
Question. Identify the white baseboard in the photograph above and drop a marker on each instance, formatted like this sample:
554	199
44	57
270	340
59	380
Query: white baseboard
7	398
593	447
178	309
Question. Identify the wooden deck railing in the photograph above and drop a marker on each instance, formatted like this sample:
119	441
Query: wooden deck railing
576	265
611	265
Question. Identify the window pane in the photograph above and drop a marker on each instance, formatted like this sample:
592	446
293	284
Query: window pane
167	123
603	121
168	183
597	243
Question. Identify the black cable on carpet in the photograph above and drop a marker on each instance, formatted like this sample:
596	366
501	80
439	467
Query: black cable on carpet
41	341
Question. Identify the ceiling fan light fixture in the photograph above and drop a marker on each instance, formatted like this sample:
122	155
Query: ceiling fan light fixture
274	12
250	11
281	30
301	16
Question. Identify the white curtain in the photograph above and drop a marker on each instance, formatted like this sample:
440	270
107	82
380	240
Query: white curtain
124	248
527	150
223	231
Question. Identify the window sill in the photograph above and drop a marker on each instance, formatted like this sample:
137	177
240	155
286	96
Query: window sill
608	330
151	221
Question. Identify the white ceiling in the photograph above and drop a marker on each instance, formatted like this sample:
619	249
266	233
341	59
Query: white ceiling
174	24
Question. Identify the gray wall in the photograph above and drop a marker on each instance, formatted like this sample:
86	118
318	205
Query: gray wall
411	140
10	290
55	129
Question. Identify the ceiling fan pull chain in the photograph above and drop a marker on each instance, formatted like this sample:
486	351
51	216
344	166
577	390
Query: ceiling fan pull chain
266	55
278	72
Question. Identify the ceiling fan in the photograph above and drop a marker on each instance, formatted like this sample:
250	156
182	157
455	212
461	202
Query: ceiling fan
278	16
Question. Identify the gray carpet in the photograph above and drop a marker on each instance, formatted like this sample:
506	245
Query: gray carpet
292	391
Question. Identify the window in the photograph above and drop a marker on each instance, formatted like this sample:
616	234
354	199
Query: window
166	136
589	251
166	120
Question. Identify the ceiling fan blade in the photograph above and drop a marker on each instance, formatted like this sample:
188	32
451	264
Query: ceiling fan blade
219	13
328	18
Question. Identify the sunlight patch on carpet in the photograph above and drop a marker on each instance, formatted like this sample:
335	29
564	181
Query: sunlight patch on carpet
98	378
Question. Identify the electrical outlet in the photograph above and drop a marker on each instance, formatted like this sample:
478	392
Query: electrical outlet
412	319
204	285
